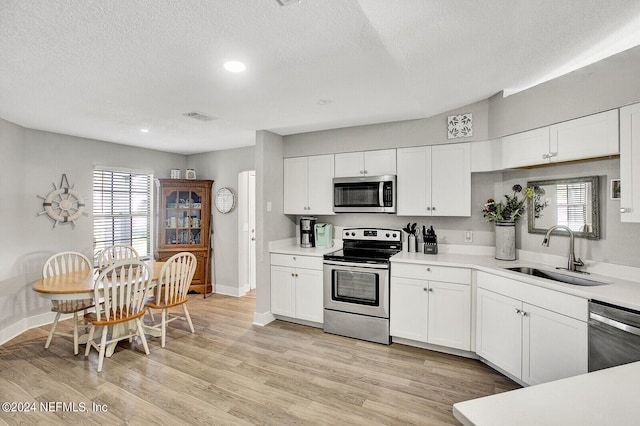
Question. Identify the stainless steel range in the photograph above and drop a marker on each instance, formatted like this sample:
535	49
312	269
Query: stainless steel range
356	284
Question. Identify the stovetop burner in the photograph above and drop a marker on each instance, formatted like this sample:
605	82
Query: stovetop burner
367	245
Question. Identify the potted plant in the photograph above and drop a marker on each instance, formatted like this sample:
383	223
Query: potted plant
505	214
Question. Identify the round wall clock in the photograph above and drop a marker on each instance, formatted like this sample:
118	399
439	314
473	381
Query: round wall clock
63	204
225	200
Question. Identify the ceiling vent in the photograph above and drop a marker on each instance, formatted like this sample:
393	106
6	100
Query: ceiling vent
288	2
199	116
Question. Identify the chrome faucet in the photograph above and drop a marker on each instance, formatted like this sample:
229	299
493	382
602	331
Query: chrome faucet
573	263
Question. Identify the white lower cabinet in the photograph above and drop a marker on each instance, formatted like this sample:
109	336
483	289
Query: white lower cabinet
532	343
296	291
431	304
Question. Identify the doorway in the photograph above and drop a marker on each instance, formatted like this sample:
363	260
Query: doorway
247	230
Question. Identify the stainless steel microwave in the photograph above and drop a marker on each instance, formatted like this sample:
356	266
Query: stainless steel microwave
364	194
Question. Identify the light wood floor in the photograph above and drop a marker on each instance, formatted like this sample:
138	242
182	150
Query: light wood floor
232	372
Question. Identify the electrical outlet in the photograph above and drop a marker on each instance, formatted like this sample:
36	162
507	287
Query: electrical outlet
468	236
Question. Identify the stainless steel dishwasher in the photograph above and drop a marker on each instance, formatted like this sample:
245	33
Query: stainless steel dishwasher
614	335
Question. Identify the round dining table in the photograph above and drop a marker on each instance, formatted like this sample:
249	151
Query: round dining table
80	285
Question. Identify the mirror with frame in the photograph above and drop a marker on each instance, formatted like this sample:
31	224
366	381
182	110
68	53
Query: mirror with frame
572	202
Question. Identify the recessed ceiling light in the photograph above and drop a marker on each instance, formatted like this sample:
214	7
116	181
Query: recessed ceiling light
144	130
324	101
234	66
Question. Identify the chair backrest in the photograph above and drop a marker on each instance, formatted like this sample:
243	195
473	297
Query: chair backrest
175	278
116	253
123	286
65	262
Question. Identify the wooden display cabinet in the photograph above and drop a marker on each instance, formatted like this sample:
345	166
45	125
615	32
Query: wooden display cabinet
183	224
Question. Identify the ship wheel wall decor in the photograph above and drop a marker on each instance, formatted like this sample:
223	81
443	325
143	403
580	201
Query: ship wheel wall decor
63	204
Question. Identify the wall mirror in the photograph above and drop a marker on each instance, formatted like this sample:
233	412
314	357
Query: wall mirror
573	202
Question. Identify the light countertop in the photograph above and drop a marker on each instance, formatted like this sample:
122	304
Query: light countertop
616	291
605	397
292	246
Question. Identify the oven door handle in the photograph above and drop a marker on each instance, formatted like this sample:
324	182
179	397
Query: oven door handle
356	265
615	324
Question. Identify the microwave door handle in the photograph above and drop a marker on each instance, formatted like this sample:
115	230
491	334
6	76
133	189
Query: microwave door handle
381	194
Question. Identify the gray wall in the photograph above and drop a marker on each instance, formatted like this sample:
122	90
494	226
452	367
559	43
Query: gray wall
605	85
270	225
223	167
31	162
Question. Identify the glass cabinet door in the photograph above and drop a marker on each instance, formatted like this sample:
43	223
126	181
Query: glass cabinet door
183	217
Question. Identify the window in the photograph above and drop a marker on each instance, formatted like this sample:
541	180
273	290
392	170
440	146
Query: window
572	205
122	210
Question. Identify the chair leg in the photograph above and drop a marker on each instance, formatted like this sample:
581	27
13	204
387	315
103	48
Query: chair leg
75	333
87	349
52	331
142	336
153	320
163	328
188	317
103	347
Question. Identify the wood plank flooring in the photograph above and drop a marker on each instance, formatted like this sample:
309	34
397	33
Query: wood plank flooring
231	372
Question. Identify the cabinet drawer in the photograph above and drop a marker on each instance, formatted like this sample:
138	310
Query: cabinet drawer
556	301
306	262
431	272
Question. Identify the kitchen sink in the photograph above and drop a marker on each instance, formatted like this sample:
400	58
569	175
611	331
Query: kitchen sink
555	276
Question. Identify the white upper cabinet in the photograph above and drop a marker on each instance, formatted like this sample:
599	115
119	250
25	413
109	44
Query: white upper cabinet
434	180
308	185
486	156
630	163
367	163
587	137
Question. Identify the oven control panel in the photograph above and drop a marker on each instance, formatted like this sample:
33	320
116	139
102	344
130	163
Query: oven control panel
371	234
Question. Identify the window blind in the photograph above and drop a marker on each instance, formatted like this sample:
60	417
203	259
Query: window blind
572	205
122	210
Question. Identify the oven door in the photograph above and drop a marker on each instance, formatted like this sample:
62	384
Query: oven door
357	288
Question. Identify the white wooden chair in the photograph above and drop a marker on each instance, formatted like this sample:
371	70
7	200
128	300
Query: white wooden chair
116	253
123	287
62	263
172	290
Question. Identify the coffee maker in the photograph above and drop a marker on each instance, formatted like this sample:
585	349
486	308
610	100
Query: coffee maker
307	237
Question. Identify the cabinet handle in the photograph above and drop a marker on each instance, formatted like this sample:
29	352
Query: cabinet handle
428	208
518	311
428	269
294	258
523	313
545	156
433	208
553	154
365	172
430	290
625	210
292	274
425	289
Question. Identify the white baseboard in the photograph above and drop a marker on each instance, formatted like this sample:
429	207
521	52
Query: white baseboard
16	329
263	318
231	291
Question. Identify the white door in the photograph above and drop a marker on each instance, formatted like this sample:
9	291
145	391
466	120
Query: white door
296	186
283	291
414	181
309	301
380	162
320	184
408	306
450	315
252	229
499	331
526	148
554	346
451	180
587	137
349	164
630	163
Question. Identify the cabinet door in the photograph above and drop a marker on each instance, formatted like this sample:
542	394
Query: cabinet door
349	164
409	299
630	163
526	148
499	331
451	180
381	162
450	315
283	291
320	184
309	301
587	137
554	346
413	182
296	185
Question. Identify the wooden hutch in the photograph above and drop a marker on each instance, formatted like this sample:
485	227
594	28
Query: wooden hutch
183	224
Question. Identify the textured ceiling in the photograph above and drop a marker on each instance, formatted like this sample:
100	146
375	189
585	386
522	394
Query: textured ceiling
104	69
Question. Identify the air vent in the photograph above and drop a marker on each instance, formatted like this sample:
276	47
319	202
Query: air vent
199	116
288	2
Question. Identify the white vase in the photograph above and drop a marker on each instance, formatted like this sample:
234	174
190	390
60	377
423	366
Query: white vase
505	240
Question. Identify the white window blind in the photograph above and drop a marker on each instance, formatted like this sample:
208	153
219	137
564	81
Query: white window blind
122	210
572	205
